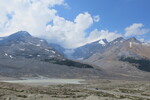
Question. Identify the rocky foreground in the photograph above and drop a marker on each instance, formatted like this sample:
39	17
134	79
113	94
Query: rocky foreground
94	90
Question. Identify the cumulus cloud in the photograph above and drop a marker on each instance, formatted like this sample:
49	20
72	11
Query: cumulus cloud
135	29
103	34
29	15
142	39
40	18
72	34
69	33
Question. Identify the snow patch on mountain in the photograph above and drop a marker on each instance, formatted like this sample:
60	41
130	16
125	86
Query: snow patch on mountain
115	42
31	43
42	40
6	54
102	42
22	49
53	51
38	45
38	55
122	41
46	50
11	56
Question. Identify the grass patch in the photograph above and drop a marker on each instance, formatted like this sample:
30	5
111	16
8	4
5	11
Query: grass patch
68	63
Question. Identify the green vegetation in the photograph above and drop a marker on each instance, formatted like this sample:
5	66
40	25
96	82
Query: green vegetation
142	64
68	63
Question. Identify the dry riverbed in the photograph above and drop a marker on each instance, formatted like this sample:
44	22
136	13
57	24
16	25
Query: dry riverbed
94	90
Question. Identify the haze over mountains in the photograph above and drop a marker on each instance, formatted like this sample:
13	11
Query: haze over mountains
24	55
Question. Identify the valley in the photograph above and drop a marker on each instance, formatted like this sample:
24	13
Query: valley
100	89
74	50
33	69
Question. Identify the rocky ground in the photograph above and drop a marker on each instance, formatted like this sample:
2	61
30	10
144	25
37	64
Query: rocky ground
94	90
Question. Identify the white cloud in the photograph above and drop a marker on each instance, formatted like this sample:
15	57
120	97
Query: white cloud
142	39
36	16
29	15
96	18
83	21
102	34
72	34
69	34
135	29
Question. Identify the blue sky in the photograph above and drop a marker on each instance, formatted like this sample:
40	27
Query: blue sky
115	15
73	23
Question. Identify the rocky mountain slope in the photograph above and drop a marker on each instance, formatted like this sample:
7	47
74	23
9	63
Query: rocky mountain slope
87	50
24	55
121	48
23	45
58	48
123	57
120	57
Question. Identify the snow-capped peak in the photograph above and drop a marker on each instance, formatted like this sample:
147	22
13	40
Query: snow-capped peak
102	42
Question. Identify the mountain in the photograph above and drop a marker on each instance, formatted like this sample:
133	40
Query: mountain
118	58
119	47
87	50
22	55
58	48
22	45
124	57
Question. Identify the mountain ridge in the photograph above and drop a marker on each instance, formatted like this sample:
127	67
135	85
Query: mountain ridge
24	55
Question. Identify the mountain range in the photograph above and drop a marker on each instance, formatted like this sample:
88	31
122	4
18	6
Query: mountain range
24	55
123	57
120	57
